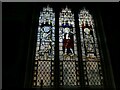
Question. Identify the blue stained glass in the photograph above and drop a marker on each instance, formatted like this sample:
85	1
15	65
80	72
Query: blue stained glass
66	25
46	29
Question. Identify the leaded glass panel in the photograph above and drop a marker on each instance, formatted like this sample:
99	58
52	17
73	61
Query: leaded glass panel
90	52
44	56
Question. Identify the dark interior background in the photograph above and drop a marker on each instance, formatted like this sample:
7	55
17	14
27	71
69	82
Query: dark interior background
16	25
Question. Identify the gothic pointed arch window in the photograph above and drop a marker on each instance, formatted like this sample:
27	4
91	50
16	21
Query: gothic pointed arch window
44	58
79	57
90	52
68	57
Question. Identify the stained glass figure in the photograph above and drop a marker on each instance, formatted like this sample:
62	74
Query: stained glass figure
90	52
67	49
44	58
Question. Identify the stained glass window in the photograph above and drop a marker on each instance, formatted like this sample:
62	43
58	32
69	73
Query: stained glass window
69	75
69	64
90	52
44	58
